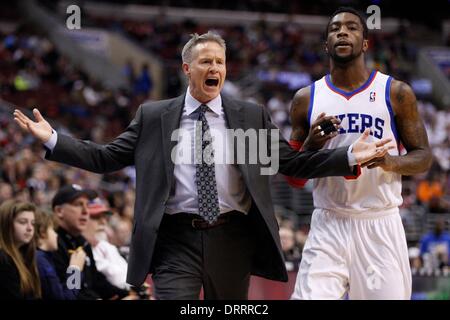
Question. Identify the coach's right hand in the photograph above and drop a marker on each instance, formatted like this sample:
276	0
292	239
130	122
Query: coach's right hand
40	128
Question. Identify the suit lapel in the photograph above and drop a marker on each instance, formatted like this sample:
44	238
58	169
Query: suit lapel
235	118
170	121
234	114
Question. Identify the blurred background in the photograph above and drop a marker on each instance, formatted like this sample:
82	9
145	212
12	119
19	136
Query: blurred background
89	82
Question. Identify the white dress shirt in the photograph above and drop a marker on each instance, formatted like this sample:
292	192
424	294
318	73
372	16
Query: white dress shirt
231	188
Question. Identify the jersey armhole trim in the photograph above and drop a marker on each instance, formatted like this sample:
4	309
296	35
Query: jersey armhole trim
387	96
311	103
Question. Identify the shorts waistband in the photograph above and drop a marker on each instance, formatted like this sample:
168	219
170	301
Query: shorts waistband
369	214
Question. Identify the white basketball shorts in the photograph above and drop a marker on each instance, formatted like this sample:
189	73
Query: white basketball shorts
355	256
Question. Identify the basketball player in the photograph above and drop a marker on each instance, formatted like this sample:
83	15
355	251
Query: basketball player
357	247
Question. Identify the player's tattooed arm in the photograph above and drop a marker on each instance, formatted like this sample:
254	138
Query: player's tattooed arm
300	128
412	134
299	115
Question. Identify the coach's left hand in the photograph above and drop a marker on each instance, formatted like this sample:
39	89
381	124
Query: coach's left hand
365	151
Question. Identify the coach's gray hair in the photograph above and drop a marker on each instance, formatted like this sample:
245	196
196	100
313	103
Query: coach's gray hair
186	54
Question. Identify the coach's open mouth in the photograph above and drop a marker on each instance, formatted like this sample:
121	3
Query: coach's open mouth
212	82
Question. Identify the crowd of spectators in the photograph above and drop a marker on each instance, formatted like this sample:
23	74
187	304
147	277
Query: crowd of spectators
262	45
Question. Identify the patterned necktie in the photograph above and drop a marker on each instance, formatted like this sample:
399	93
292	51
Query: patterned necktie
208	203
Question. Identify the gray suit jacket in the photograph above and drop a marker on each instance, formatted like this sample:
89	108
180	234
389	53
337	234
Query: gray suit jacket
146	143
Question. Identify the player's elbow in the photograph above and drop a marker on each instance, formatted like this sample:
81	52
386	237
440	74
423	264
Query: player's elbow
427	160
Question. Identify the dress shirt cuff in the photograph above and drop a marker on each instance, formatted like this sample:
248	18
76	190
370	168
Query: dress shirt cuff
351	157
51	143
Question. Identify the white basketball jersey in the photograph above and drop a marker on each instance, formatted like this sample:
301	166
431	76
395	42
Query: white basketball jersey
366	107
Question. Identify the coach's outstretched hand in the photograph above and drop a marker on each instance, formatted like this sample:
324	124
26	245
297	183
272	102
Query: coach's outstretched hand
40	128
365	151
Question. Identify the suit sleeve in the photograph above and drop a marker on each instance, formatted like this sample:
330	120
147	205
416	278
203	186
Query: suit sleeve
296	182
308	164
96	157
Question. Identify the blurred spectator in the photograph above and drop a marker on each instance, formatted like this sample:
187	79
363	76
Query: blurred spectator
435	247
70	207
26	80
279	111
121	234
128	72
6	192
47	240
107	257
430	190
19	277
414	259
143	83
300	238
291	253
409	198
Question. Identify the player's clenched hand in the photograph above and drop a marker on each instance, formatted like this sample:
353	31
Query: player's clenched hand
40	128
317	135
365	151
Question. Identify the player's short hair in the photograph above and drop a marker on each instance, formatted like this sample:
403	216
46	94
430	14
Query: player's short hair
210	36
351	10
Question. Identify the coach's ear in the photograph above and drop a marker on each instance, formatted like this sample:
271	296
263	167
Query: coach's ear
326	46
186	69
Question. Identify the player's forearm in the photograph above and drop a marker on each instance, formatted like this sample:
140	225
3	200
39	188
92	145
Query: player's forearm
415	162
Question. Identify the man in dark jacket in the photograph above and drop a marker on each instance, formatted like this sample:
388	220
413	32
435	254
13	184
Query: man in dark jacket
70	206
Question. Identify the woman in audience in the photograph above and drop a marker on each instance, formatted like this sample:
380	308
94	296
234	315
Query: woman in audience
18	271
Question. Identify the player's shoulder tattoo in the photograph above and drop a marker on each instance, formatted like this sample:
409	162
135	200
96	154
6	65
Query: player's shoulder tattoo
403	97
300	102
